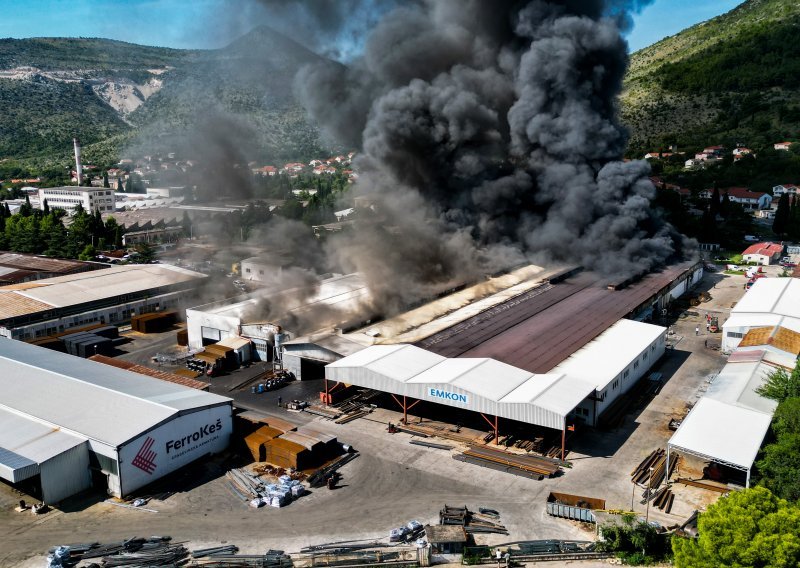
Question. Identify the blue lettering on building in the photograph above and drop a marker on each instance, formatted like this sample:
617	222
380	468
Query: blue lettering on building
455	397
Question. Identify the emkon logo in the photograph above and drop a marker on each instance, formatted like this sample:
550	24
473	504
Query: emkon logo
436	393
145	458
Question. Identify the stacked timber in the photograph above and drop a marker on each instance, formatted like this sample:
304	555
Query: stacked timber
530	464
225	355
256	440
155	322
287	454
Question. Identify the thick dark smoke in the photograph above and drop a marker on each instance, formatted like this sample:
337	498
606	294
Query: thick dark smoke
489	133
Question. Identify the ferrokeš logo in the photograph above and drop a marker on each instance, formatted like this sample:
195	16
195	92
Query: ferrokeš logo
201	433
145	457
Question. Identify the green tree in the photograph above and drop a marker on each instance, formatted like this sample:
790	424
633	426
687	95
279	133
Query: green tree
779	467
88	253
45	208
781	222
781	385
786	419
105	180
747	528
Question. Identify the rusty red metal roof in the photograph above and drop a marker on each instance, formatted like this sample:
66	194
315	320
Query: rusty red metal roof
142	370
541	328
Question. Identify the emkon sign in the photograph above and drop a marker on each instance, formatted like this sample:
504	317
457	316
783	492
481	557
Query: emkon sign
173	445
447	395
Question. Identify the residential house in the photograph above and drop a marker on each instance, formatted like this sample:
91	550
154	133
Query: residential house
741	152
749	200
657	155
265	171
763	253
789	188
782	146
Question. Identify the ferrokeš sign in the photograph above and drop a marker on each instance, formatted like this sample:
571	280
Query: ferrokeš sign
203	432
447	395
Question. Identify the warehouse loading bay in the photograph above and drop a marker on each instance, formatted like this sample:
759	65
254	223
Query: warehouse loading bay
392	480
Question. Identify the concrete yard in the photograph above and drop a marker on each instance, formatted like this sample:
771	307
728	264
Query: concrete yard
392	481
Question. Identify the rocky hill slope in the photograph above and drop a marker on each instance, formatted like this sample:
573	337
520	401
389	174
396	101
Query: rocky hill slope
732	79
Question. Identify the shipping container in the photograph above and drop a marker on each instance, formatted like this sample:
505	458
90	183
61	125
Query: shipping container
574	507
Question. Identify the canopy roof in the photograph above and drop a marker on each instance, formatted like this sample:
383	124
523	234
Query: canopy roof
726	433
477	384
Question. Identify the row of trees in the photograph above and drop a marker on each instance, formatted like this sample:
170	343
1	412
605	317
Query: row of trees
787	217
43	231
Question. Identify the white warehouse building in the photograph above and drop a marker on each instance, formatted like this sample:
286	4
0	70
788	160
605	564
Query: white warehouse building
67	424
68	197
770	302
579	389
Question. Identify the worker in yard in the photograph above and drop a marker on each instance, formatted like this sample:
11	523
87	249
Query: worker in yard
697	330
280	400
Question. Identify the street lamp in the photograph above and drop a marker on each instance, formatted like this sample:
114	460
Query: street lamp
649	487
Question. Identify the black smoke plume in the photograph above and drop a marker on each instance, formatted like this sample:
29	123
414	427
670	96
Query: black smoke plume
489	134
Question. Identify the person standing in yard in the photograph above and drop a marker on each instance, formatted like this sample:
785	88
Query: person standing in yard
697	330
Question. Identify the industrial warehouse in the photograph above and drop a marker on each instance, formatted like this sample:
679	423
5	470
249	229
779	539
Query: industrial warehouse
532	346
112	295
67	424
729	423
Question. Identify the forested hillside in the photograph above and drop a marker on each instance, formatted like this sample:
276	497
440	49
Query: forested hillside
730	80
116	96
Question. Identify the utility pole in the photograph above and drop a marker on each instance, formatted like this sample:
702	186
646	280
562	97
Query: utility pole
649	488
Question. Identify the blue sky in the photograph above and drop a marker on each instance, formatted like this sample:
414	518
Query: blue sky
212	23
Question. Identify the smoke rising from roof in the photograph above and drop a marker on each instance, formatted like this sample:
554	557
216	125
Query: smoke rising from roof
489	133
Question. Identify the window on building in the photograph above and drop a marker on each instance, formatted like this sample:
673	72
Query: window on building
626	373
615	384
247	270
735	334
636	364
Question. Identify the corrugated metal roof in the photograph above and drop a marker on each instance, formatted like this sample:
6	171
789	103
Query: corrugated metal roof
142	370
477	384
26	443
721	431
43	264
771	295
541	328
605	357
234	342
757	336
13	304
94	400
737	384
99	284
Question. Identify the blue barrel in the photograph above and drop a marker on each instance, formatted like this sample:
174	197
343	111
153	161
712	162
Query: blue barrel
261	387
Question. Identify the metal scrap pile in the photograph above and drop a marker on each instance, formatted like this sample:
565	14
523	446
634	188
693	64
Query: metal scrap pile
253	489
227	557
153	551
484	521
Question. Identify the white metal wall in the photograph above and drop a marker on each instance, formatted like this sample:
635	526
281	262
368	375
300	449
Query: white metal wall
636	369
173	445
66	474
111	316
196	320
527	413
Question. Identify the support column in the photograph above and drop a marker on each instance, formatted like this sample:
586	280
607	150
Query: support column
405	410
666	467
495	426
747	482
563	440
